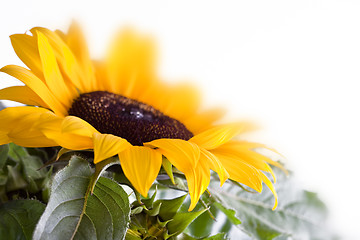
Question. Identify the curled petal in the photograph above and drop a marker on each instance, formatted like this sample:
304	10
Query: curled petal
213	162
271	187
241	172
198	180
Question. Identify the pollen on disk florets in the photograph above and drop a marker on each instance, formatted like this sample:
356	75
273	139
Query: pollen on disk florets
135	121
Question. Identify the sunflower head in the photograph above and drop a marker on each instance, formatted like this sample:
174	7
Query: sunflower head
118	106
135	121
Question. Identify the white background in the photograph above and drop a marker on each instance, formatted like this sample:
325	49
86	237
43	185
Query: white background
292	66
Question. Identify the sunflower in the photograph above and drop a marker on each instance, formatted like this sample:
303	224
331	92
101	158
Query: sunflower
118	106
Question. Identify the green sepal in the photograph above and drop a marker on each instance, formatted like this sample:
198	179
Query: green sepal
166	235
155	209
32	186
149	201
166	164
163	224
137	210
182	220
170	207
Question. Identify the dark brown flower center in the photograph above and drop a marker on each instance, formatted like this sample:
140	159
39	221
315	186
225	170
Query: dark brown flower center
135	121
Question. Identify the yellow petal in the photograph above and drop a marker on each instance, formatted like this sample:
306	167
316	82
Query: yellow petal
107	145
130	64
202	121
253	145
182	154
53	77
100	73
67	61
213	162
75	125
237	150
26	48
17	125
32	140
4	139
51	126
75	40
245	149
219	135
141	166
9	117
181	101
198	180
241	172
271	187
35	84
22	94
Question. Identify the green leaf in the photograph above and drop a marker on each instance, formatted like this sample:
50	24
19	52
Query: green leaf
18	218
4	150
202	226
230	213
74	214
299	215
182	220
169	207
100	168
